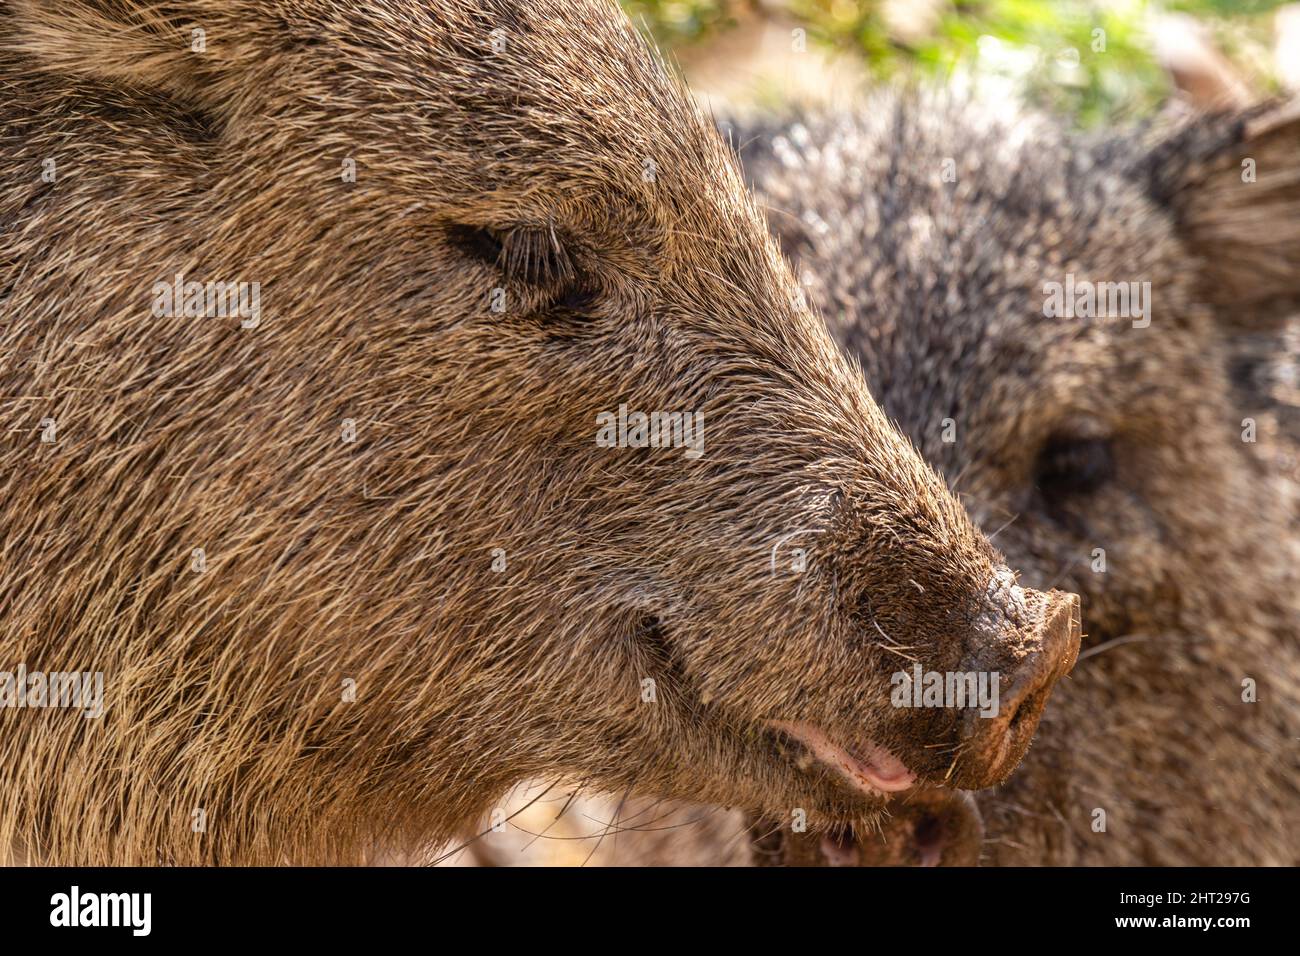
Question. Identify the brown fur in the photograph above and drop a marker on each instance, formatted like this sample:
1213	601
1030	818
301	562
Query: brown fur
938	287
372	561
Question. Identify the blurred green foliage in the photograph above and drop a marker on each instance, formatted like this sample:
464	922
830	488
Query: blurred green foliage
1090	59
674	22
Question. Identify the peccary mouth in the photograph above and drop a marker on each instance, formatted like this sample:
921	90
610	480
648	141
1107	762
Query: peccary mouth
1028	655
870	769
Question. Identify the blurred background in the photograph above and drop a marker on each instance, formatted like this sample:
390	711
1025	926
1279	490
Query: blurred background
1094	62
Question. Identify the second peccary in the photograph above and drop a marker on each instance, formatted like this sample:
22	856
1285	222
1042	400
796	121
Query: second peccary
1102	448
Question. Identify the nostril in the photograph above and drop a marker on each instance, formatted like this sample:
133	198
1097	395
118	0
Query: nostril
1019	710
1030	707
1017	723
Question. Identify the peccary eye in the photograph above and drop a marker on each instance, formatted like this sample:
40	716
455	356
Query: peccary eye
482	245
578	300
1074	466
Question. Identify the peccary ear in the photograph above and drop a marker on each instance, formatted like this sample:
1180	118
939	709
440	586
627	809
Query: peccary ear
191	52
1232	182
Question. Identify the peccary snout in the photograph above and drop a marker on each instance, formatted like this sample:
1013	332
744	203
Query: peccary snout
992	746
974	723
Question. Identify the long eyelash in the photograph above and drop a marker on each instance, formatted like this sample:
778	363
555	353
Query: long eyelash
536	256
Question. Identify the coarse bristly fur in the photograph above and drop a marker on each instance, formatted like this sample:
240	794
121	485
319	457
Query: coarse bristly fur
1174	742
353	569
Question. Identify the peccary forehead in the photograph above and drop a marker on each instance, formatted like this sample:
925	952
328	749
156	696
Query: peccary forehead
930	231
519	94
455	102
547	112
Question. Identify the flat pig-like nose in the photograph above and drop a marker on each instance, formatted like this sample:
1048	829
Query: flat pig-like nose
990	747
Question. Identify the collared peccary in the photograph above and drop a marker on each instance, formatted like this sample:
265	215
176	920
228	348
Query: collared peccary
333	338
1098	441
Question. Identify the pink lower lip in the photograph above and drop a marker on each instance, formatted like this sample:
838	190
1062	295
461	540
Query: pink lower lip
874	770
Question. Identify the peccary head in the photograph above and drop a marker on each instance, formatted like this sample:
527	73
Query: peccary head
1046	316
486	237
